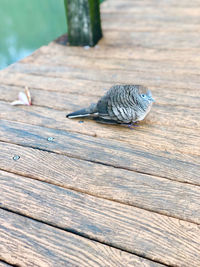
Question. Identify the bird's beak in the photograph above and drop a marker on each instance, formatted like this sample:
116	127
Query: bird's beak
150	96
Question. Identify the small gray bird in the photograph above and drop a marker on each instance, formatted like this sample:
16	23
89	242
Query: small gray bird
122	104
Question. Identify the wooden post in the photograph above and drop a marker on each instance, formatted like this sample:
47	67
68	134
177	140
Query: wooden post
84	23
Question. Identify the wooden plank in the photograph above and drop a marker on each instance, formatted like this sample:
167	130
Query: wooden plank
170	99
25	242
183	67
146	39
153	80
156	56
169	165
178	60
51	84
140	190
153	236
175	22
49	99
150	82
152	62
152	132
129	6
130	58
79	96
143	14
155	123
70	101
120	73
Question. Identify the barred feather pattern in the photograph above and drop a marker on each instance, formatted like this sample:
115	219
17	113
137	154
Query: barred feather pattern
121	104
124	104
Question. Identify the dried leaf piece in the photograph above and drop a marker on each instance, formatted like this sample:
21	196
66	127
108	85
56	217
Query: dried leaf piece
23	98
27	92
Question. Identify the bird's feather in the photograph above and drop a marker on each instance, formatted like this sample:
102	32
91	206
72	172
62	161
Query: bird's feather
121	104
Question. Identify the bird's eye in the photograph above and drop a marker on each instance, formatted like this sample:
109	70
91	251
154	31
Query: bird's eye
143	95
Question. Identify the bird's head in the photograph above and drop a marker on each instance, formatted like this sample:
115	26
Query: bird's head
147	97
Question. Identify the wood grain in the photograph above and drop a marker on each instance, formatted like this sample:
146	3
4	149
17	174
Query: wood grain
178	58
115	76
133	21
51	83
56	100
71	101
157	237
25	242
135	190
166	67
173	166
151	133
146	39
128	6
160	61
160	14
152	193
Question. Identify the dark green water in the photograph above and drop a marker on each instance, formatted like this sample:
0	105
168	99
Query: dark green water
25	25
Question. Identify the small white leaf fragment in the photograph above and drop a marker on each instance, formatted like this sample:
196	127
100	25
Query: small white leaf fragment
24	98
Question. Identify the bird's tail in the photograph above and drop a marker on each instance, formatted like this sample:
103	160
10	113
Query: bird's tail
85	112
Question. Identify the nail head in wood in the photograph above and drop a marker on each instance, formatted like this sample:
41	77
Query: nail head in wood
16	157
50	139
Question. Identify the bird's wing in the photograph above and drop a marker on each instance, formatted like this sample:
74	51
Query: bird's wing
118	104
103	107
121	103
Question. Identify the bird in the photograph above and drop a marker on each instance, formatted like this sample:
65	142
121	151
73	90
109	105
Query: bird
122	104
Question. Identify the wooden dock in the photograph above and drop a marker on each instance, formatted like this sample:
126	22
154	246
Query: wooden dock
79	193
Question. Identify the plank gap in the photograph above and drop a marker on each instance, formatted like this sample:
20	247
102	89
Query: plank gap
83	235
98	162
75	189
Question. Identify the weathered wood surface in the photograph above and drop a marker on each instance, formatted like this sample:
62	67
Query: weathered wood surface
115	75
103	220
137	191
154	132
43	245
183	168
